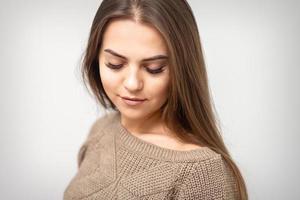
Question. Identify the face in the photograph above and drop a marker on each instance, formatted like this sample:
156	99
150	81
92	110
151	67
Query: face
133	63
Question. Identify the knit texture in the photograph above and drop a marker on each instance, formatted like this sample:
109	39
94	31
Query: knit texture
114	164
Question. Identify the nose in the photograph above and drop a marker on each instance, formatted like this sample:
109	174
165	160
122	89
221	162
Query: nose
133	82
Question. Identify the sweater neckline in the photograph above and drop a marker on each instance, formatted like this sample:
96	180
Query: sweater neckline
137	145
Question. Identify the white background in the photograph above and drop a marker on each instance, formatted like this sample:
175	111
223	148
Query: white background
252	54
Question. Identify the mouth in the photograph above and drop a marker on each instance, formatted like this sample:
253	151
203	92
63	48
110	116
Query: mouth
133	98
132	101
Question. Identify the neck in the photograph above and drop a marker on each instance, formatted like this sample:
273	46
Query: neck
151	124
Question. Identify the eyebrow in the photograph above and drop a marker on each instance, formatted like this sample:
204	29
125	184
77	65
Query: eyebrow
157	57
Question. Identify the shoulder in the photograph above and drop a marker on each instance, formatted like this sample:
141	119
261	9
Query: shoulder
95	132
100	124
209	178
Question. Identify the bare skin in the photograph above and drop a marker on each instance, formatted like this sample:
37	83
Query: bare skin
166	141
126	44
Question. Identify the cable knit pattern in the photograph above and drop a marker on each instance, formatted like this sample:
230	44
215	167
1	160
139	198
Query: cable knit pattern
114	164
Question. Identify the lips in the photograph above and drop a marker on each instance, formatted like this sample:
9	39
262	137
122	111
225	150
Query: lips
133	98
135	102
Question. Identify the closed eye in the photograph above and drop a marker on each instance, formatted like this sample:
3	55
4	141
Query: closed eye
152	71
113	66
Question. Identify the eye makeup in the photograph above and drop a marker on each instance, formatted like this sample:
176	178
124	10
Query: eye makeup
152	71
156	71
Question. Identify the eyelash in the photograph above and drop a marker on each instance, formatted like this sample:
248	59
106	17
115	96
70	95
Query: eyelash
116	67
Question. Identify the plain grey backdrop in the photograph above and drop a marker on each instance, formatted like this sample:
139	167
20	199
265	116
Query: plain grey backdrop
252	55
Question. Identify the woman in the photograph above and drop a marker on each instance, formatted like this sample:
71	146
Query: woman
161	141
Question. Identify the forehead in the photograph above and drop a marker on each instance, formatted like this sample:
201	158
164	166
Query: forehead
133	39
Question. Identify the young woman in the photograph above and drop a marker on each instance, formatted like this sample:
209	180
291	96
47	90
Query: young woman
161	140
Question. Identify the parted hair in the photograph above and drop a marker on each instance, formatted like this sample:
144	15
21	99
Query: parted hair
189	110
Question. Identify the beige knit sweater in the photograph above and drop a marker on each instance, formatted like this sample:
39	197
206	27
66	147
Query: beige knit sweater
114	164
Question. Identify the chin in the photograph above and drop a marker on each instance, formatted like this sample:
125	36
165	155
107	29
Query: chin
130	113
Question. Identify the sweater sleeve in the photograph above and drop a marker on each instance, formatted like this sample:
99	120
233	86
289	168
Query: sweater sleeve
206	180
81	153
93	133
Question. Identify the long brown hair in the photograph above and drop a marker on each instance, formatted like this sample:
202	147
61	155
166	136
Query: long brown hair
189	111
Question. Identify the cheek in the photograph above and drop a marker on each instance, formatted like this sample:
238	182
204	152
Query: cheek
158	88
108	79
